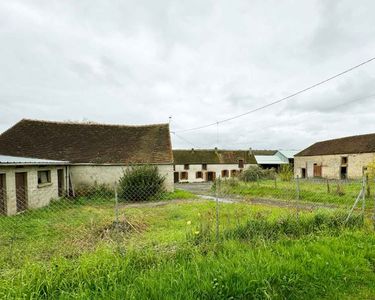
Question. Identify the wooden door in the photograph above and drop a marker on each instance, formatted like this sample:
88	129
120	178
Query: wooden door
60	182
21	191
3	209
317	171
176	177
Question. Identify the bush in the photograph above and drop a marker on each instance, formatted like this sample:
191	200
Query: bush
286	173
141	183
253	173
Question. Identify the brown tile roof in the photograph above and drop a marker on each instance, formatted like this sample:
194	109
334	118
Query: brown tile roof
88	143
208	156
346	145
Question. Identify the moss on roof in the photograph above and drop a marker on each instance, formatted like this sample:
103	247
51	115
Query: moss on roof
347	145
212	156
88	143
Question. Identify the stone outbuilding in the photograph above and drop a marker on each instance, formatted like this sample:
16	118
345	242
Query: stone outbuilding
342	158
28	183
98	153
206	165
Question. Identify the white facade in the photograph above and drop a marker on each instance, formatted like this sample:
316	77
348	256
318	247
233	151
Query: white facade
216	169
36	195
88	174
331	165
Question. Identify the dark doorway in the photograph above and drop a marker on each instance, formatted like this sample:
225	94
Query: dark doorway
303	172
3	209
344	172
210	176
176	177
60	182
21	191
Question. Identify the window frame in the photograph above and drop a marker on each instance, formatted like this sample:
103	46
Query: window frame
182	175
199	175
186	167
48	177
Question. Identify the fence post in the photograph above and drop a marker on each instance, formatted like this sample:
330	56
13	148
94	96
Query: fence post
297	185
275	182
217	208
257	180
363	197
116	206
328	187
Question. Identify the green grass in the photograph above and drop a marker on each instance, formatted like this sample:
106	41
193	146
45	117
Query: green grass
309	191
171	252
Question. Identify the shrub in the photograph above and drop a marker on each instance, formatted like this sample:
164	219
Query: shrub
141	183
286	173
253	173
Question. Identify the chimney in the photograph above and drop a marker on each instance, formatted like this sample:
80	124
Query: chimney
250	151
216	150
192	150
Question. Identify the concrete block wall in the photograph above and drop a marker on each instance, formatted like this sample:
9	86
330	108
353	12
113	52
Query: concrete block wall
37	195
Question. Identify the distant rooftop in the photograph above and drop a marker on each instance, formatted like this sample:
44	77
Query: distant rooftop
269	160
289	153
15	160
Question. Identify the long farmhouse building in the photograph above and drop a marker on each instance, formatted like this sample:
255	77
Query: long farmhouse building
44	158
206	165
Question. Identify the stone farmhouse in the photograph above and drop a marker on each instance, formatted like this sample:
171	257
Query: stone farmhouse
207	165
97	154
342	158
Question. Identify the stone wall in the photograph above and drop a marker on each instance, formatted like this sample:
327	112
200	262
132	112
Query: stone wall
331	165
109	174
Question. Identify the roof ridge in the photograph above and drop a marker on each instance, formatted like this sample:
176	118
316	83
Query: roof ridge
345	137
93	123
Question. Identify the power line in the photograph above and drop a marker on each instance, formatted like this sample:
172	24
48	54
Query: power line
248	143
282	99
185	140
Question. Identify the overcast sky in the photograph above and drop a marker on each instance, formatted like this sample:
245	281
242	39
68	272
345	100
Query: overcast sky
139	62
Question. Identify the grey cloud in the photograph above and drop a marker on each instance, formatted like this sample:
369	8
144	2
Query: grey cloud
198	61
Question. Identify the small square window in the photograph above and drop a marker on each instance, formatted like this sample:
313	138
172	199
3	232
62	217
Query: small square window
44	177
184	176
199	175
344	160
186	166
224	173
204	166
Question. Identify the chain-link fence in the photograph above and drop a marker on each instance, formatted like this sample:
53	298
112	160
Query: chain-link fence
308	205
33	221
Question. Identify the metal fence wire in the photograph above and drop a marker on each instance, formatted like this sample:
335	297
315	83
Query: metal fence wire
99	213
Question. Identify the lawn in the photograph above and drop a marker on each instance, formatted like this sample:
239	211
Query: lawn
332	192
169	250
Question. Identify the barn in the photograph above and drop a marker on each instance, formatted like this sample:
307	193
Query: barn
342	158
97	153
